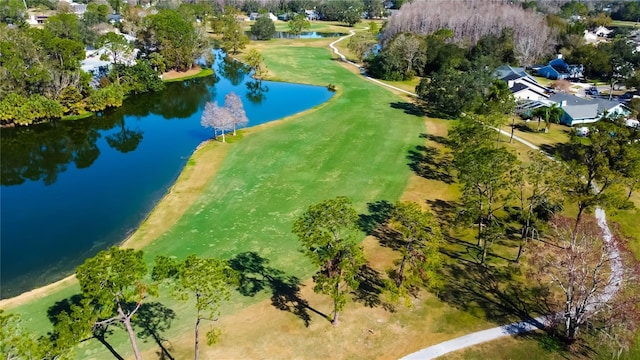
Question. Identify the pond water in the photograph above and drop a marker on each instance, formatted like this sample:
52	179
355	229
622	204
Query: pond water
72	188
302	35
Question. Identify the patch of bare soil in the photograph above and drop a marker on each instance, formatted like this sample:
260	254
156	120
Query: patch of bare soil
169	75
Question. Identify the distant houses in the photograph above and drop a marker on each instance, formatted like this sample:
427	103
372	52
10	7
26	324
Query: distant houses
529	95
521	84
579	110
558	69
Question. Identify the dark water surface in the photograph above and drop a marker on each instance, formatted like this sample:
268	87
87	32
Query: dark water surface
72	188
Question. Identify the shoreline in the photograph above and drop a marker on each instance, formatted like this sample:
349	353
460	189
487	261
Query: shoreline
205	160
184	183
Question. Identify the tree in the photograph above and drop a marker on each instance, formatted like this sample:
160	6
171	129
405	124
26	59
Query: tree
577	267
327	232
361	44
298	23
70	99
254	61
65	26
207	281
233	37
534	186
175	38
352	14
498	104
95	14
263	28
593	168
118	50
470	21
15	342
218	118
112	281
235	107
411	49
13	12
451	92
554	115
419	246
373	8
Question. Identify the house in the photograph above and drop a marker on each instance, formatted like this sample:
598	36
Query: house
311	15
583	111
589	37
602	31
254	16
522	85
558	69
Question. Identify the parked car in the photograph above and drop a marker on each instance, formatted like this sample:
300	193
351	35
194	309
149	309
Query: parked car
593	91
582	131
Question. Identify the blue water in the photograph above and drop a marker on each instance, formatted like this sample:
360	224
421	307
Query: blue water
302	35
70	189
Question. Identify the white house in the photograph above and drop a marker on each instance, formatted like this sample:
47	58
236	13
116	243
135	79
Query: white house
522	85
255	15
602	31
589	37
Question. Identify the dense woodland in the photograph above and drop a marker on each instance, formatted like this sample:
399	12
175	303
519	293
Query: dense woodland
502	199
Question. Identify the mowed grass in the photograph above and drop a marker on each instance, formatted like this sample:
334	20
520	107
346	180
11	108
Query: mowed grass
356	145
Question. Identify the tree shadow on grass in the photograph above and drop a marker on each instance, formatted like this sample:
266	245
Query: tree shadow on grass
256	275
379	213
154	319
564	151
99	333
409	108
371	288
446	212
492	291
429	163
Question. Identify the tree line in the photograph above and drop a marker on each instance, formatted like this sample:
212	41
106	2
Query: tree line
40	68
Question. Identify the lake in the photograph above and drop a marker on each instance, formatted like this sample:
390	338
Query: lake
302	35
72	188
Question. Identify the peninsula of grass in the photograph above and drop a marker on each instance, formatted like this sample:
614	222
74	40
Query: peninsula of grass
355	145
173	76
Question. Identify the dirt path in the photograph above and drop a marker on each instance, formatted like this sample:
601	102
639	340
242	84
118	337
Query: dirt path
518	327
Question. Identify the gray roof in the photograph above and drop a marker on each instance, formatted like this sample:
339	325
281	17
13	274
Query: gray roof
570	99
581	112
509	71
604	104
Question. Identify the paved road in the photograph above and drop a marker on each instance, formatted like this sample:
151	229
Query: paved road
480	337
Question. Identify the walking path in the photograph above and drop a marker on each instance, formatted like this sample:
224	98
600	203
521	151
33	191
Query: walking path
479	337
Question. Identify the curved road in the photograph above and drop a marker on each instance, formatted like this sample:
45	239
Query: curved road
479	337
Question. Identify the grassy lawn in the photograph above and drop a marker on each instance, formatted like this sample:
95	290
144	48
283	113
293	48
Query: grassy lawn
243	197
355	145
558	134
622	23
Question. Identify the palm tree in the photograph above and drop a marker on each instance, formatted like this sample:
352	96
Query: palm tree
554	113
539	112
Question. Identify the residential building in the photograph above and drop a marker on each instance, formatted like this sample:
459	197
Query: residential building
558	69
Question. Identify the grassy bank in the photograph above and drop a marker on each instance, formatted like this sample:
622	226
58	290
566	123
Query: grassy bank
356	146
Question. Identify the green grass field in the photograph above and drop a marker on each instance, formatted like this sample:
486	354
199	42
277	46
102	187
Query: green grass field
356	145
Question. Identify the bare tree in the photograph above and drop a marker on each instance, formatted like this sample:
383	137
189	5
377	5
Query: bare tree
470	20
584	273
218	118
233	104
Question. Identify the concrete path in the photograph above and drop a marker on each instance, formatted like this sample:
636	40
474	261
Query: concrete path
480	337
